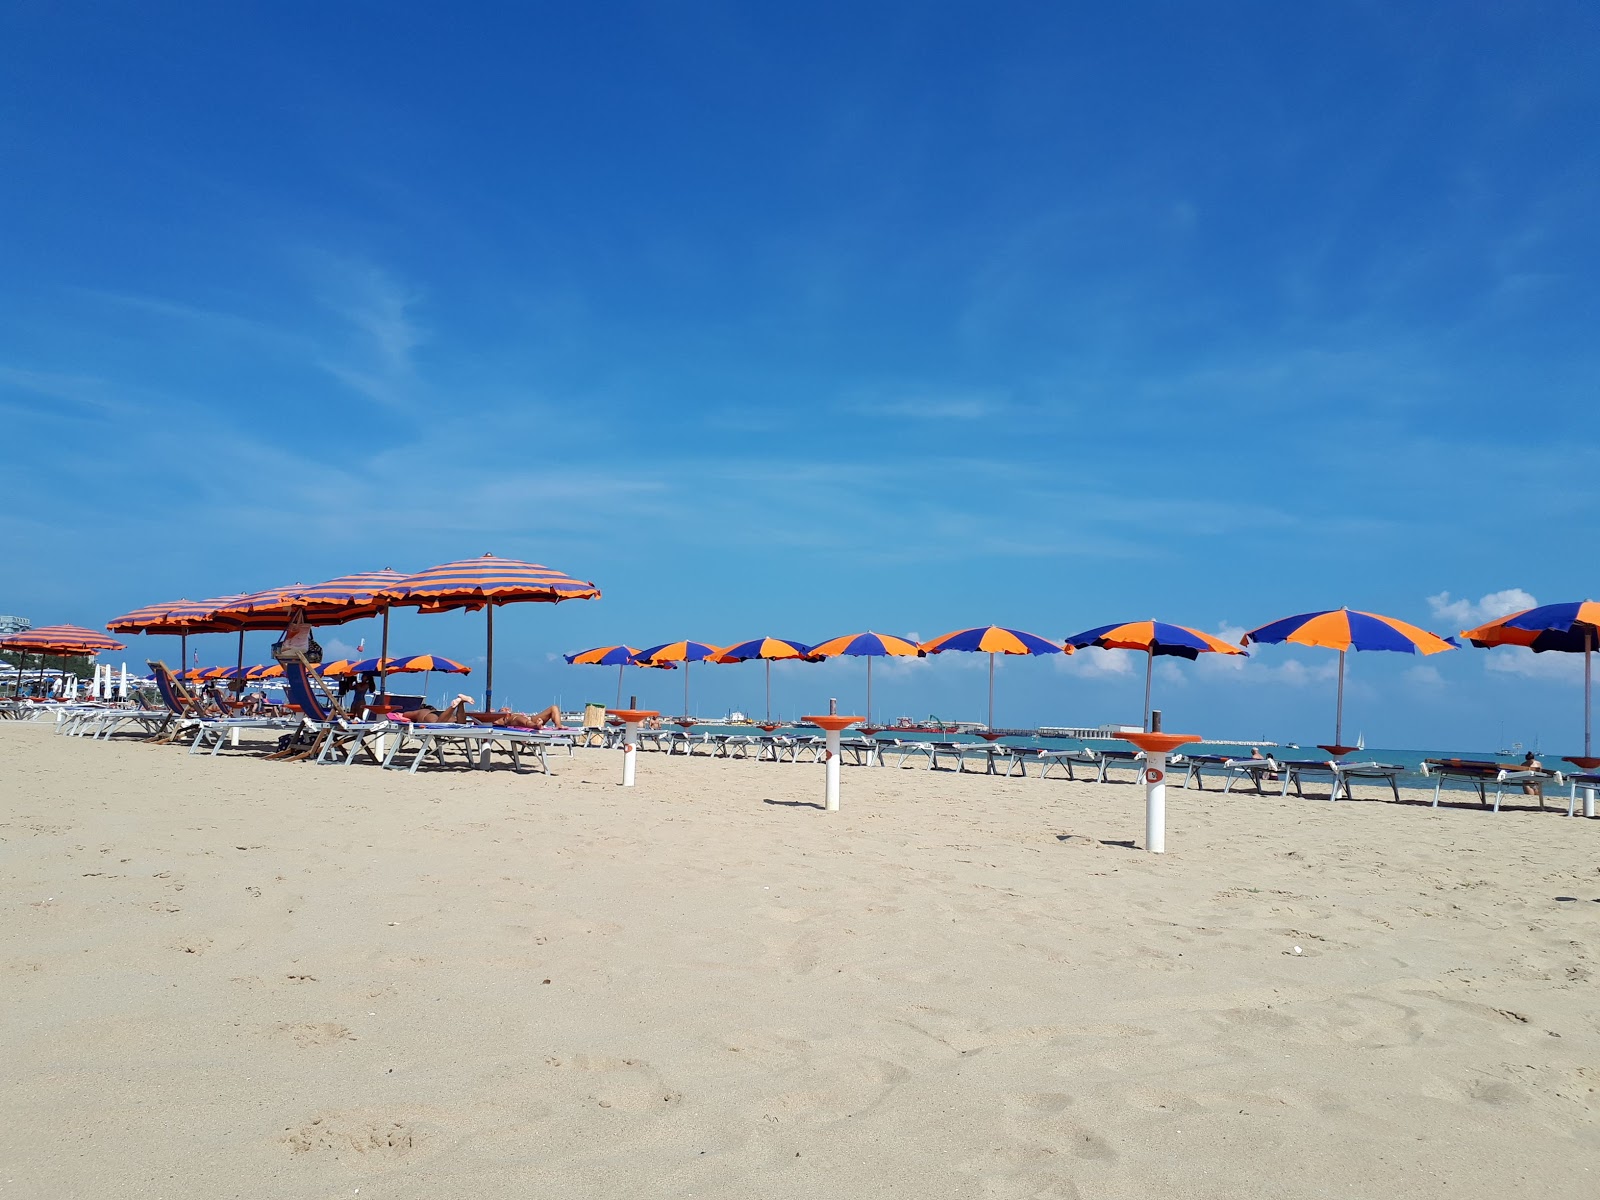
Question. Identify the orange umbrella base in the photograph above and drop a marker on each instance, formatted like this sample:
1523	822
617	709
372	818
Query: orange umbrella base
1159	743
830	722
632	714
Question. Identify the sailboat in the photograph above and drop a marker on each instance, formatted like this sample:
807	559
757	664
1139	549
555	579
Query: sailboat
1361	741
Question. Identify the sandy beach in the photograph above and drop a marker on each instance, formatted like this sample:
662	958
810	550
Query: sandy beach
229	977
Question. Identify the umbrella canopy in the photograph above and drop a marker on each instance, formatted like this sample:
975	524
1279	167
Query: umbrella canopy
475	583
1153	637
868	646
427	662
61	639
1565	628
338	668
992	640
348	598
679	652
620	657
768	649
1345	629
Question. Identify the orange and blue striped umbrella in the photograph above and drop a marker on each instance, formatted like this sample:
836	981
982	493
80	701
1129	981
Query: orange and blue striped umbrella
679	652
474	583
427	663
1346	629
348	598
1567	628
620	657
61	640
992	640
869	646
768	649
1153	637
179	618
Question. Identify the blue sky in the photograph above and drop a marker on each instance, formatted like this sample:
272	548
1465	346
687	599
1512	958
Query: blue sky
906	317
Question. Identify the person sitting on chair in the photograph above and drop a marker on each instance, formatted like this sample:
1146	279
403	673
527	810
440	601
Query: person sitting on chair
1533	787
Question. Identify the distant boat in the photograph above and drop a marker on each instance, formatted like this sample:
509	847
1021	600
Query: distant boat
1361	741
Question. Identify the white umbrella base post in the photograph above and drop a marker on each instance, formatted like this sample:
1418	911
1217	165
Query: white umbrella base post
1155	802
630	752
1588	802
831	769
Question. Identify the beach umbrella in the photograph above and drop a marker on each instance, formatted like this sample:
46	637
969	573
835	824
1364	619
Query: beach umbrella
869	646
768	649
1345	629
620	657
474	583
427	664
180	618
61	641
669	653
1565	628
992	640
334	602
338	668
1154	638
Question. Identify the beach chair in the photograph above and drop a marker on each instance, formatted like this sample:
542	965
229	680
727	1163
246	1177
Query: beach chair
1482	772
1234	770
476	743
191	715
1341	775
332	733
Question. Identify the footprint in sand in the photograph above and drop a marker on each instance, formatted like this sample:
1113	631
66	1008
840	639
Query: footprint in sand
314	1033
626	1084
355	1134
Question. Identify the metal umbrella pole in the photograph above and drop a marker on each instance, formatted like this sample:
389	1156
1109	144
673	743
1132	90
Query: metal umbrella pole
769	691
1149	669
383	662
1338	719
991	691
869	689
488	677
1588	688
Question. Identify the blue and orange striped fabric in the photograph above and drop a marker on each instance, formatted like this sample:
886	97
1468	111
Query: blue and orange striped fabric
175	617
1348	629
868	645
1569	628
474	582
768	648
348	598
1155	638
428	662
605	656
684	652
61	639
992	639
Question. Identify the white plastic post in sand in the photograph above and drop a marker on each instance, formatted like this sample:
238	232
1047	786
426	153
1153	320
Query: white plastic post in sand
831	724
631	719
1156	747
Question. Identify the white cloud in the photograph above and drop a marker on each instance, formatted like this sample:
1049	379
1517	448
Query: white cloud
1465	614
1519	660
1094	663
1424	675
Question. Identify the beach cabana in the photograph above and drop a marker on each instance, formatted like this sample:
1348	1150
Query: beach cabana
992	640
1154	638
768	649
1564	628
1345	629
474	583
868	646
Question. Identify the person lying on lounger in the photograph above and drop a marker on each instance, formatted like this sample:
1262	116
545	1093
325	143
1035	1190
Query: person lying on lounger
538	720
456	714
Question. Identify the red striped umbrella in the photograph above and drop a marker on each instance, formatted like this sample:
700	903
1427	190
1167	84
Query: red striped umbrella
57	640
474	583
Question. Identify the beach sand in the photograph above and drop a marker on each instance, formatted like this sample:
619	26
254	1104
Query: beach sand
228	977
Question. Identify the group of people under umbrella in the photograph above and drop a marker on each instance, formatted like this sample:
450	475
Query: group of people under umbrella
488	582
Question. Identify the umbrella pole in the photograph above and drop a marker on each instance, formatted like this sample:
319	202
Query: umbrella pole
426	675
1588	689
488	676
769	693
620	668
686	687
991	691
183	652
869	689
1338	715
1149	670
383	662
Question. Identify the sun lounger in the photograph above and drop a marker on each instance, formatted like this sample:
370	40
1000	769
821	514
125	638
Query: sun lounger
476	743
1341	775
1234	770
334	735
1480	773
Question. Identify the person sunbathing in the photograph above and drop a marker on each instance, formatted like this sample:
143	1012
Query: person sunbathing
456	714
538	720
